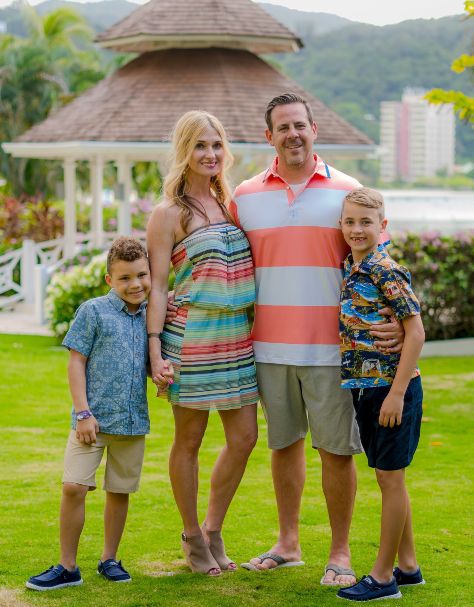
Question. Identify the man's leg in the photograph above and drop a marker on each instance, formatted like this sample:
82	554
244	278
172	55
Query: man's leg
288	470
287	423
339	486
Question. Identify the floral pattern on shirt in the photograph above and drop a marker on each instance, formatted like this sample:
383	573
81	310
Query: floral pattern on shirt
374	283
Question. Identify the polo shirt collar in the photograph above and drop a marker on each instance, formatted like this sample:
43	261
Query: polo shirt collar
320	168
119	304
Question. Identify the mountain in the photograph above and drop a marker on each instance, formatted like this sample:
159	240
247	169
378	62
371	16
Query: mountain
360	65
304	23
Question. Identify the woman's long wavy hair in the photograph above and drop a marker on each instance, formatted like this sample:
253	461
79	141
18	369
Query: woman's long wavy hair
186	134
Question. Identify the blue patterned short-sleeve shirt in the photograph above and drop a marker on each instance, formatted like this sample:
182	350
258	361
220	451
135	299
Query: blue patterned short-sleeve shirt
374	283
115	344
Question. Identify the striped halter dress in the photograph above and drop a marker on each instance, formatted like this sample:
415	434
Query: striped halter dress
209	340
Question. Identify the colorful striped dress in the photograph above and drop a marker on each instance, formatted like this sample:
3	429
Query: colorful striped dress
209	340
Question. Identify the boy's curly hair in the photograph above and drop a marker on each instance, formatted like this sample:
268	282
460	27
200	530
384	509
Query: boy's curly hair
125	248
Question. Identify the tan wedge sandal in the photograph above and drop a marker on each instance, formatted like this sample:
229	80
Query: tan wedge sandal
198	555
216	546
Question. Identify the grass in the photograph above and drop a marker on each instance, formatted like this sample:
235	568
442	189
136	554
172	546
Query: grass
34	406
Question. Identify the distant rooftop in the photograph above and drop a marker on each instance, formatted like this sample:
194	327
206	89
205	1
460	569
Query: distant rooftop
237	24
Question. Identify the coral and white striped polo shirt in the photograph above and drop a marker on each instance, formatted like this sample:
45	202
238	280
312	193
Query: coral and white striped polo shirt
298	250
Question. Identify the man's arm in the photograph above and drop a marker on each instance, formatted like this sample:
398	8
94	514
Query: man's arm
392	407
391	334
86	429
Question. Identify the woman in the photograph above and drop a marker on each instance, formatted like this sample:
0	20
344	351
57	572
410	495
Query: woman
206	349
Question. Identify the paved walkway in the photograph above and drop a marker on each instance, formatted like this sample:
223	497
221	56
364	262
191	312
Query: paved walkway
24	324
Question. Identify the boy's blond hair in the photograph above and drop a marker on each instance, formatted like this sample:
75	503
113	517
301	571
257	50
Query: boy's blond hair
125	248
367	197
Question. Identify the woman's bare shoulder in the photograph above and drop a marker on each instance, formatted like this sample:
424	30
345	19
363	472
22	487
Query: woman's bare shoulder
165	211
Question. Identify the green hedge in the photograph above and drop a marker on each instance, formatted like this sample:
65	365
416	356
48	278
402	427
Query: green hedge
442	268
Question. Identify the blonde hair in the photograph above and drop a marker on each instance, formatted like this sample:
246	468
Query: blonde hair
367	197
186	134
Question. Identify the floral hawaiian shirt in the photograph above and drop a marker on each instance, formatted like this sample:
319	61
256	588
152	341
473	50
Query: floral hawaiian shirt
368	286
115	344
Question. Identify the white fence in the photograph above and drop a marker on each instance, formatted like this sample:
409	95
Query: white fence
25	272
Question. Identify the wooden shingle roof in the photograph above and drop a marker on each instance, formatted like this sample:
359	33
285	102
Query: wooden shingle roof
161	24
142	101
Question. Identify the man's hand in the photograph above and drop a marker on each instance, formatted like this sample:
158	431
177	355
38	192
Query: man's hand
171	309
391	411
86	430
391	334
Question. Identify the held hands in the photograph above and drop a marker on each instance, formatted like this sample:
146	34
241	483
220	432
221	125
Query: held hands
162	375
86	430
391	411
390	334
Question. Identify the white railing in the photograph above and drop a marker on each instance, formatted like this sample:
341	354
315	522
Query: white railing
10	283
18	269
26	272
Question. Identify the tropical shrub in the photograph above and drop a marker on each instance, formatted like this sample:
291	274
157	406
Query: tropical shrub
68	289
442	269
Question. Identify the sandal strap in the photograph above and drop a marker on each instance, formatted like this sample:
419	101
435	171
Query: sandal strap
279	560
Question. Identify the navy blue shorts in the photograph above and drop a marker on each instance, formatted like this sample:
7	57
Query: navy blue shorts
389	448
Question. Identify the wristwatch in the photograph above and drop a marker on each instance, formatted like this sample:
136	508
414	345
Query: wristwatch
83	415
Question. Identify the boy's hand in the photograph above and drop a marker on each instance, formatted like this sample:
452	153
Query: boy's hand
171	309
86	430
162	375
391	411
391	334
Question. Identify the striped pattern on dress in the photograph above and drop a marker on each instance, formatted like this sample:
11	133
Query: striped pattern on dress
209	341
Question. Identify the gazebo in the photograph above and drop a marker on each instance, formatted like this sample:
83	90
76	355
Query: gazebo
190	55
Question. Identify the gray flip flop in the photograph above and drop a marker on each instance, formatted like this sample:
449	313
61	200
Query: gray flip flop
279	560
338	570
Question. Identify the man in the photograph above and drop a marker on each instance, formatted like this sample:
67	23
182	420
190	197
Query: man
290	214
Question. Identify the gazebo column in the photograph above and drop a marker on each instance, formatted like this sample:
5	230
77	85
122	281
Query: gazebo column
70	229
97	179
124	169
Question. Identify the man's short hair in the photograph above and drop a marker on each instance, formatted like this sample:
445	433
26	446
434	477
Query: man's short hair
125	248
367	197
286	99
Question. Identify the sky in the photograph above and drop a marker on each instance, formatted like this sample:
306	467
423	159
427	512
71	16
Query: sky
377	12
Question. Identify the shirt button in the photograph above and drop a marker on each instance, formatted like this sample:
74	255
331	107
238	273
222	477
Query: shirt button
287	187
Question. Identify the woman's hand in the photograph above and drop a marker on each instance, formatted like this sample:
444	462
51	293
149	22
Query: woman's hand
162	373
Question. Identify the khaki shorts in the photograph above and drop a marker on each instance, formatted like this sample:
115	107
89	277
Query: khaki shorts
295	397
123	466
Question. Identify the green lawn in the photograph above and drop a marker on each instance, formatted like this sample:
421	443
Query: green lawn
34	408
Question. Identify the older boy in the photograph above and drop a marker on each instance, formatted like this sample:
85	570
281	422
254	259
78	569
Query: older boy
386	388
107	380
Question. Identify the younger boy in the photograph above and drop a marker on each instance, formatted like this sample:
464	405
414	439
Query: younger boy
107	380
386	388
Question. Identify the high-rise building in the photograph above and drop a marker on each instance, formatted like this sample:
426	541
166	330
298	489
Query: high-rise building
416	138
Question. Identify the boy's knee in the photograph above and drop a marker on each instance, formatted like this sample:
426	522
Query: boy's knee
388	479
75	491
